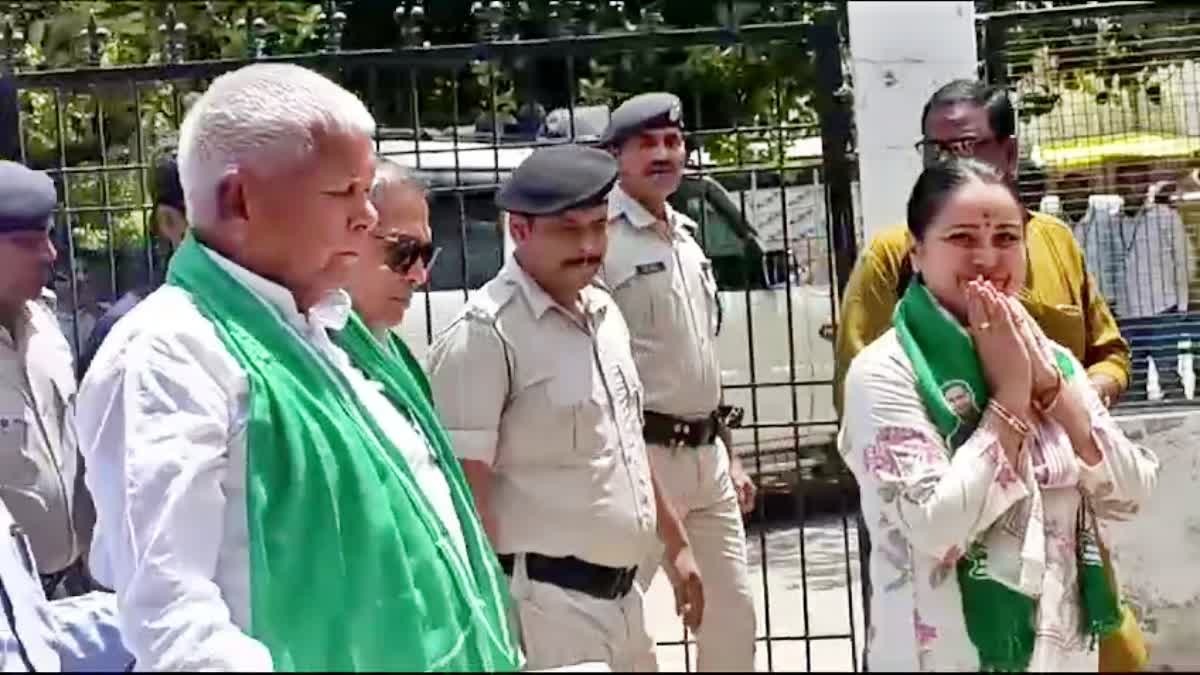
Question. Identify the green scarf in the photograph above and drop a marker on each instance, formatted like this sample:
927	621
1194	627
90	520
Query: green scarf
396	349
1000	620
350	569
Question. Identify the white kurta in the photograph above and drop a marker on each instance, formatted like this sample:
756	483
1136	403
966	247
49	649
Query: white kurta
923	508
162	425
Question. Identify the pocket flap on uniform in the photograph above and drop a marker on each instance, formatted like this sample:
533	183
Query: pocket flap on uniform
572	386
633	254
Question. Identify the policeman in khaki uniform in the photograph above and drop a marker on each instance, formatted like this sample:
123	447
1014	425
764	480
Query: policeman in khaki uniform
38	449
537	386
664	285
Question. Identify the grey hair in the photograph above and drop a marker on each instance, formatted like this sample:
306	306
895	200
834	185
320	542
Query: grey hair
266	116
389	173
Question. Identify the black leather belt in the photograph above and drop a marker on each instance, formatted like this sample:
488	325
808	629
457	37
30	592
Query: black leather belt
672	431
606	583
72	580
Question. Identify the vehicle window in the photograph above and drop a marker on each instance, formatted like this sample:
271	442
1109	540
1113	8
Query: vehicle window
724	234
476	215
727	239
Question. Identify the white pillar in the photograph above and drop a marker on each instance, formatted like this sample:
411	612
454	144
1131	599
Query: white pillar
901	53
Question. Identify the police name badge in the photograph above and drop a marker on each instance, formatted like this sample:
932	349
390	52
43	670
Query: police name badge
651	267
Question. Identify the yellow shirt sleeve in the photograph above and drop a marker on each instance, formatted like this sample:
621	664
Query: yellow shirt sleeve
868	301
1104	350
1107	351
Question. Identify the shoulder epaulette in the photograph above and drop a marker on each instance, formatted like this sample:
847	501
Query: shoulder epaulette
490	300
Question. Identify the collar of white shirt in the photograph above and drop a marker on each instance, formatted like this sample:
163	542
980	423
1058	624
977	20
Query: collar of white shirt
621	204
539	300
330	313
24	328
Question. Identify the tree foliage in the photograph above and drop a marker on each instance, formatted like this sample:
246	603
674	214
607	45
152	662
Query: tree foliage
119	125
1118	57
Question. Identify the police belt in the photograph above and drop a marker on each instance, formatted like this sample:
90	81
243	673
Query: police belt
599	581
672	431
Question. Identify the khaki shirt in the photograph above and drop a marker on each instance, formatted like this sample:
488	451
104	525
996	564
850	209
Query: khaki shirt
668	294
553	404
38	448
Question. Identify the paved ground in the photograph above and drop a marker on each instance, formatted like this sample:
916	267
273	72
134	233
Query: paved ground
824	571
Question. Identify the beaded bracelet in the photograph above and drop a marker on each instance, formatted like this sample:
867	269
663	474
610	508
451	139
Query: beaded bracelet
1015	423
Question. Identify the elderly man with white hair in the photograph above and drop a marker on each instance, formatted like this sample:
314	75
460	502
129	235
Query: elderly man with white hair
271	493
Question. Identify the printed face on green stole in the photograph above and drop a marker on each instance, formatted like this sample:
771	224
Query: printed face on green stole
960	398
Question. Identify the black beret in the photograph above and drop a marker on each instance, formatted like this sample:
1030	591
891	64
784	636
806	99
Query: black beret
656	110
558	178
167	188
27	198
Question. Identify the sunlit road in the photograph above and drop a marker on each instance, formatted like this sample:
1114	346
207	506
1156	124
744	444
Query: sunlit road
828	609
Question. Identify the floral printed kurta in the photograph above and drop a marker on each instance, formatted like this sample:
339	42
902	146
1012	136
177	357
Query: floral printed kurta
923	508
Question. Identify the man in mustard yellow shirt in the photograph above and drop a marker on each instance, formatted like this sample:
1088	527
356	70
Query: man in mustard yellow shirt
971	118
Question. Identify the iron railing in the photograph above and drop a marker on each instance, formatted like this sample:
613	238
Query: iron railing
771	186
1109	126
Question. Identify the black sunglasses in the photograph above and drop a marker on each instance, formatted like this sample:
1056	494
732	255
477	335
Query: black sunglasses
404	252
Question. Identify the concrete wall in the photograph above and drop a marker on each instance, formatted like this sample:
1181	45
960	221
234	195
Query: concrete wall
1157	555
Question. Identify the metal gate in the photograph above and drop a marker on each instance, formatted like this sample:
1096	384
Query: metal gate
1108	98
770	181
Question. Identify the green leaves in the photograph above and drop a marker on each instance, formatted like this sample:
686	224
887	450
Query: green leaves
107	125
722	87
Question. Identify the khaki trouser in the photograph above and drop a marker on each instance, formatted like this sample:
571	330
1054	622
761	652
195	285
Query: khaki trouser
561	627
697	483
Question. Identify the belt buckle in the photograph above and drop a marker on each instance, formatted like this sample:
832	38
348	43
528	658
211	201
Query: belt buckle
730	416
682	434
623	578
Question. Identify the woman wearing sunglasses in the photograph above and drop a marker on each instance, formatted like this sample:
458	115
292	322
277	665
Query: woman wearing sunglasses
399	254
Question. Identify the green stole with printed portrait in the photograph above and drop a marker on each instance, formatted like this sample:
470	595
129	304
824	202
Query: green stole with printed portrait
999	619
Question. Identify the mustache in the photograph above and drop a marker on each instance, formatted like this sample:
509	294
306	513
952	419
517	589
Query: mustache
581	262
